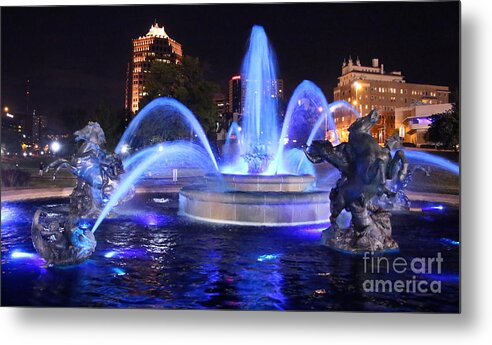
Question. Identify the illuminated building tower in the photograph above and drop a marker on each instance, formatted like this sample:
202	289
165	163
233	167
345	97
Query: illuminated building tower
235	95
156	45
39	125
237	92
370	87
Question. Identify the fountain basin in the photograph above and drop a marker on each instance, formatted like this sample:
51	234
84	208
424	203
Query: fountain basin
257	200
263	183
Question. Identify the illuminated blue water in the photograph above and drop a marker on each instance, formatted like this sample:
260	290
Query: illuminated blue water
423	157
306	105
159	157
259	78
163	119
155	259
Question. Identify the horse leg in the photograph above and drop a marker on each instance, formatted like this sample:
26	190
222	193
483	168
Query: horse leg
393	164
337	205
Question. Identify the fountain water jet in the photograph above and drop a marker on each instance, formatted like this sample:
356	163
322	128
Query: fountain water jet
172	153
161	110
300	111
260	105
255	193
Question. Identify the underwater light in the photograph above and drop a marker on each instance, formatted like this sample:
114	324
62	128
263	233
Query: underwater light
21	255
431	208
450	241
151	220
160	200
267	257
119	271
110	254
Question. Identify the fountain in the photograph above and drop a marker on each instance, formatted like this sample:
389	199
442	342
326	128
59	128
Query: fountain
262	187
264	178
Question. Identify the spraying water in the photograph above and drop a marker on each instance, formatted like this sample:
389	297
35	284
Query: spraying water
169	154
260	105
179	154
306	105
432	159
162	118
331	108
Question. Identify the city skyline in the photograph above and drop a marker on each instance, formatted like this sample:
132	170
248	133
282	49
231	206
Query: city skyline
68	47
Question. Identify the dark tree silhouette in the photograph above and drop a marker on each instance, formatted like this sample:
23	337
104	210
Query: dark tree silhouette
445	129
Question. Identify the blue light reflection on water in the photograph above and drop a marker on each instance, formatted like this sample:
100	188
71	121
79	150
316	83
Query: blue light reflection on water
450	241
194	265
268	257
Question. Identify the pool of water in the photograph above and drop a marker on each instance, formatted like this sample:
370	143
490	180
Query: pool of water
151	258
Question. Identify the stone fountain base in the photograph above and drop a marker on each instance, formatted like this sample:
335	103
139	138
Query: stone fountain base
374	235
257	200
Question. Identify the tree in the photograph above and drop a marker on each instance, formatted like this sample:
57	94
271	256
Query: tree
445	129
186	83
73	119
111	121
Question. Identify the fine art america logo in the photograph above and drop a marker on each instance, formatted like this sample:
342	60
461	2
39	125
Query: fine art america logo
413	269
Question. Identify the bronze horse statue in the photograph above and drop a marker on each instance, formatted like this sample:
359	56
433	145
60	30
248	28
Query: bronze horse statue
364	167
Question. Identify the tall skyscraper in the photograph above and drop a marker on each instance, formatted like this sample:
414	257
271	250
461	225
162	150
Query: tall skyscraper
235	95
156	45
39	125
237	89
371	87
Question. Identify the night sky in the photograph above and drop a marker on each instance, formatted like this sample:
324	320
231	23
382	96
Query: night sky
77	56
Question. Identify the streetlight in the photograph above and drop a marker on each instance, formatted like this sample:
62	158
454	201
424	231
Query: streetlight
6	109
55	146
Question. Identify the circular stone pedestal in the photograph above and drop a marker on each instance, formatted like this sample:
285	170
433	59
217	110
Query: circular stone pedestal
259	200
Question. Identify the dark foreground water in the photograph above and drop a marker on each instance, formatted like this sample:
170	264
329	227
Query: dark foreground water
151	258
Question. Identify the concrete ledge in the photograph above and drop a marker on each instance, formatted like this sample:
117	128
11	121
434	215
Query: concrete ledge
262	183
255	208
26	194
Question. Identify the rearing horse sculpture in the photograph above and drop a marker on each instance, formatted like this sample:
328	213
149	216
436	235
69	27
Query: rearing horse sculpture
98	173
364	167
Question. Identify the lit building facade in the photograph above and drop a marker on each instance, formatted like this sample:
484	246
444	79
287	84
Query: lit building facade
235	95
156	45
16	133
413	122
371	87
39	125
